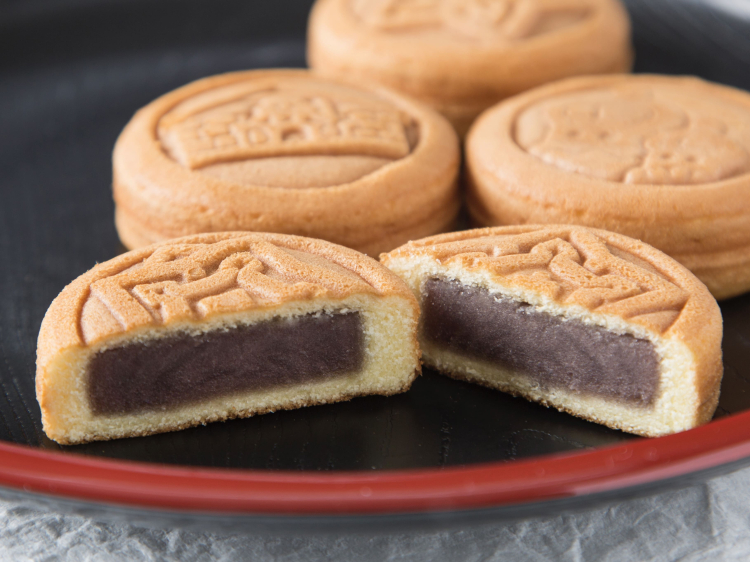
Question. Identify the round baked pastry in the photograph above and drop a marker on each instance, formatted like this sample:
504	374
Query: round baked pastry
661	159
220	326
591	322
285	151
462	56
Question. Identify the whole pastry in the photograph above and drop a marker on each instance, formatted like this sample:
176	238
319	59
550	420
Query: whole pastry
591	322
285	151
662	159
219	326
462	56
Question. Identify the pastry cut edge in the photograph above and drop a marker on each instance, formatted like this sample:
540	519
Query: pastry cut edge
680	394
370	349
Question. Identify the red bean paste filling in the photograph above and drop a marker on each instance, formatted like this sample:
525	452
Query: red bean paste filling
185	369
552	352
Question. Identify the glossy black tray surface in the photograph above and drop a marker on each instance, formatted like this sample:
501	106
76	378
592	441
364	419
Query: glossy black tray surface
73	72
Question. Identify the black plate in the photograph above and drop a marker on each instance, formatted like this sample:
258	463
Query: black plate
71	75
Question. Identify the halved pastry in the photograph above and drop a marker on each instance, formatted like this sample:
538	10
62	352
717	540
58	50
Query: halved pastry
219	326
593	323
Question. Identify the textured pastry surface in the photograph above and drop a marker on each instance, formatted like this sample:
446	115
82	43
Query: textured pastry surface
662	159
285	151
213	284
446	52
594	277
636	132
291	119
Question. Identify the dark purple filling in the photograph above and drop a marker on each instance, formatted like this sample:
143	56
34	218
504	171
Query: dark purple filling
184	369
551	351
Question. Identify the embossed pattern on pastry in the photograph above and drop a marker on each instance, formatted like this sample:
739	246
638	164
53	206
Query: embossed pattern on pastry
588	321
218	326
285	151
473	19
662	159
634	133
462	56
282	123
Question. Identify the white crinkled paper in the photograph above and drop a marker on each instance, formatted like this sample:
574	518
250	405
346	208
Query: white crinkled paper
710	521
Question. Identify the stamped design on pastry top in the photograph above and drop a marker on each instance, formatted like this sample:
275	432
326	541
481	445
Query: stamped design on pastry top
194	281
280	122
633	134
486	19
571	266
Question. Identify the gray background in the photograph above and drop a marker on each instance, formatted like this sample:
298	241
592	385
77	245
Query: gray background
710	521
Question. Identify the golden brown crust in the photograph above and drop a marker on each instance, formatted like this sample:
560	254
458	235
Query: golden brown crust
594	269
661	159
602	272
188	162
213	282
463	56
135	235
200	276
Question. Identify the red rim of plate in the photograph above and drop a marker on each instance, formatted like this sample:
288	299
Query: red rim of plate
478	486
